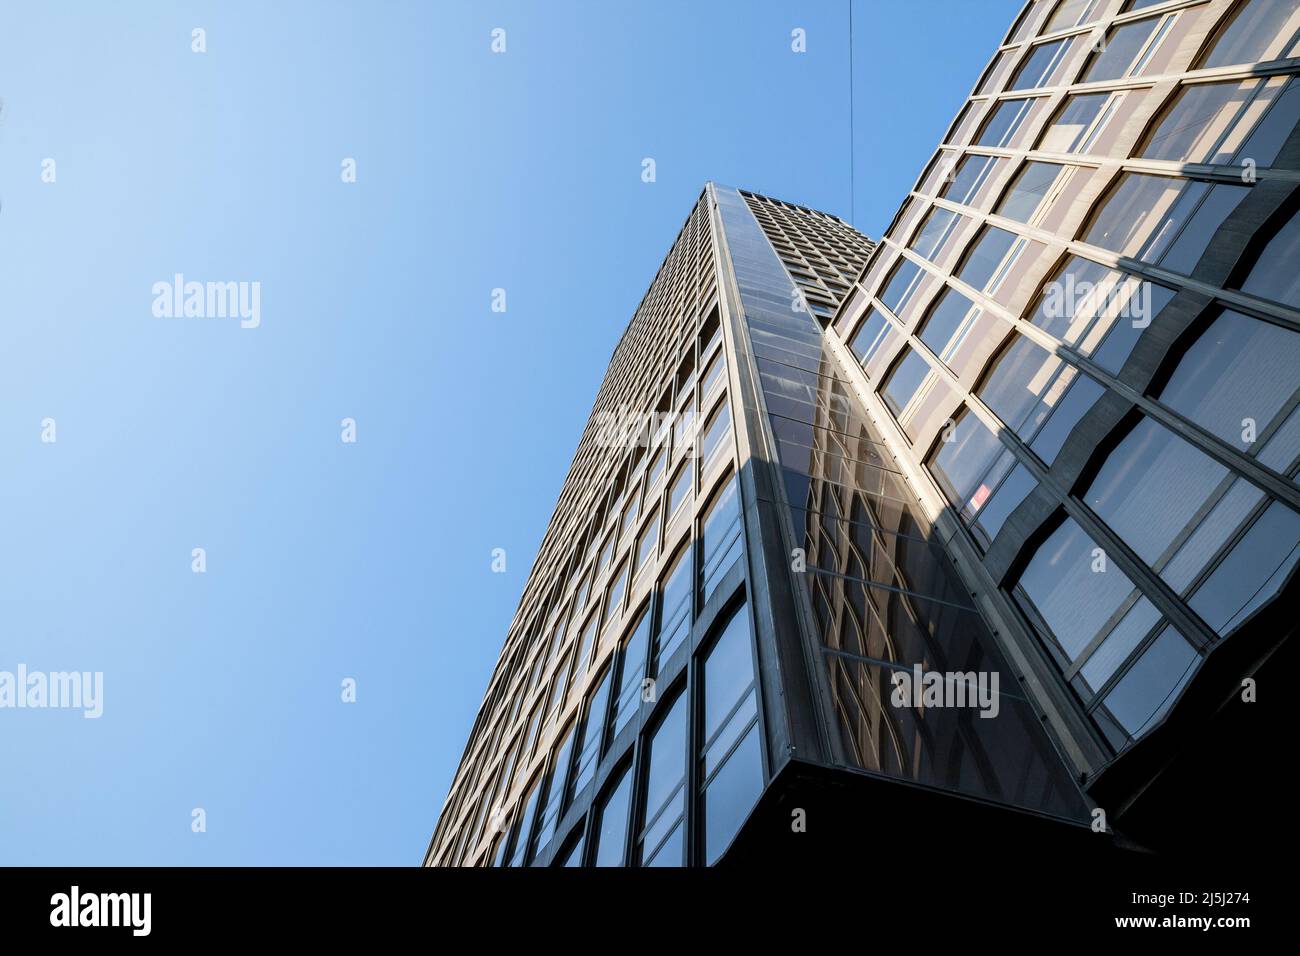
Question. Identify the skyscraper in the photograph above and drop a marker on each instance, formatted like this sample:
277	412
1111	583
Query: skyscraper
990	526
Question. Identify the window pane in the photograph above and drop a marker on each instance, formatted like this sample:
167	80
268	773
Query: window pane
935	232
1274	275
961	463
1144	214
728	672
986	257
645	549
1152	683
631	673
1236	378
588	747
945	319
1151	487
1028	191
1071	13
1039	68
611	830
719	429
1005	500
870	336
1259	30
1100	311
970	178
904	381
665	770
1252	573
731	794
1067	133
1210	122
681	488
900	285
720	537
1123	44
1073	587
674	606
1006	120
1077	401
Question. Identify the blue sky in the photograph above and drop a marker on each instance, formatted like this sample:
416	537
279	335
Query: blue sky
370	560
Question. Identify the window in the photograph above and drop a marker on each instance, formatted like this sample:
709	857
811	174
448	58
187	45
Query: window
713	374
629	515
584	646
1151	486
645	548
1042	65
1162	220
681	488
1028	191
1258	30
555	792
571	854
656	469
1077	401
873	333
1128	48
674	608
937	229
720	539
1072	13
901	285
1226	123
631	672
718	429
610	832
731	762
684	428
1026	387
950	316
1252	573
903	382
1008	496
1237	378
614	601
967	183
988	261
968	461
1079	123
524	825
589	742
1005	122
993	76
1099	311
1152	682
1073	587
662	839
606	553
1274	275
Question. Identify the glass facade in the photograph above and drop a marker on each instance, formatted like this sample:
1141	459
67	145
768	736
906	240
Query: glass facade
972	509
1109	418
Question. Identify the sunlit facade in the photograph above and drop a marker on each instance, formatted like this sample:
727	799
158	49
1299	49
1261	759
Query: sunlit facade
1042	437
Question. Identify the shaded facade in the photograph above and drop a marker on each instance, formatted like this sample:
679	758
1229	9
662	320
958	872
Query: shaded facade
1079	335
1041	439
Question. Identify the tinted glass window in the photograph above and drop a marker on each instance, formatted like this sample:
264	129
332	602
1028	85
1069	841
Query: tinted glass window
1236	378
611	826
1074	587
1151	486
1274	275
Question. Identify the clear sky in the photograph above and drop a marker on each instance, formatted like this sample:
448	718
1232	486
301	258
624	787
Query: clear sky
370	560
